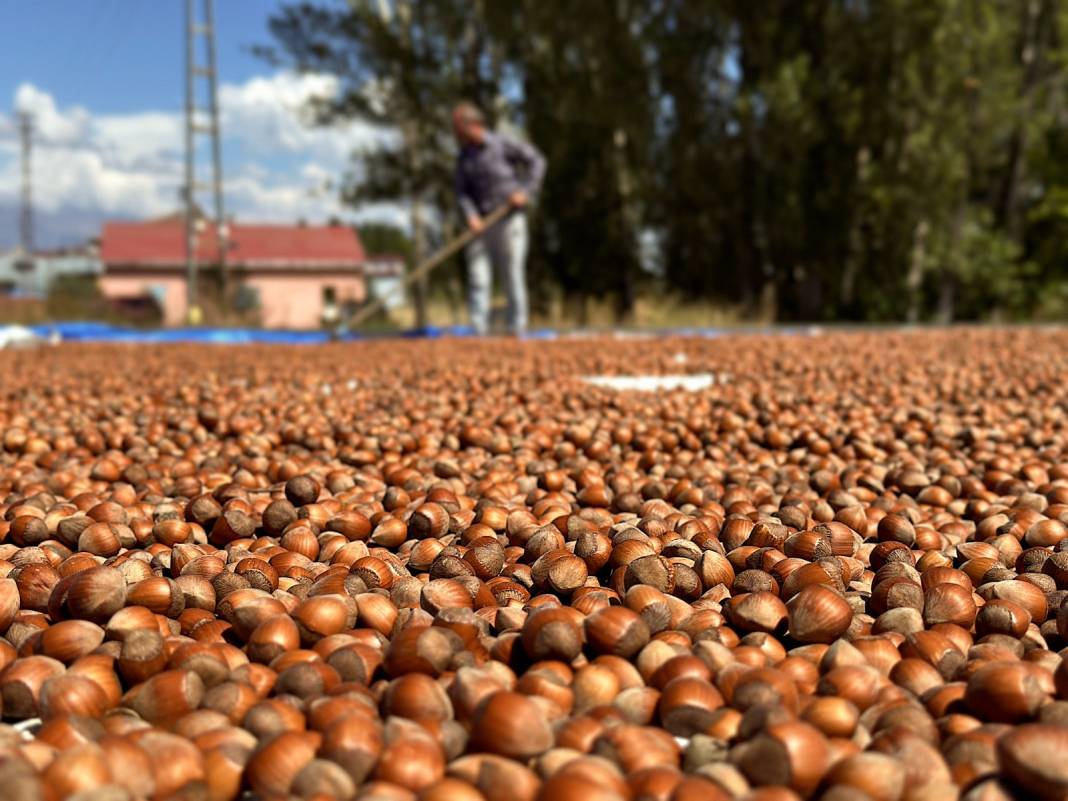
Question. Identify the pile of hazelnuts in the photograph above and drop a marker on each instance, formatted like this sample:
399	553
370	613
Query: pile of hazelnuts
457	571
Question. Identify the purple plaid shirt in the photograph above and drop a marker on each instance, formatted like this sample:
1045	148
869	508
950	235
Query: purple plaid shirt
487	174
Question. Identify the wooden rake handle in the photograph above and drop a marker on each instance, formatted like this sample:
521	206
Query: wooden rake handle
430	263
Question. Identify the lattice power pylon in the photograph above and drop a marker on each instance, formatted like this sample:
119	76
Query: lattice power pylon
201	121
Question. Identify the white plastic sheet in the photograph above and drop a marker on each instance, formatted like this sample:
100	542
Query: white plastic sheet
18	336
692	382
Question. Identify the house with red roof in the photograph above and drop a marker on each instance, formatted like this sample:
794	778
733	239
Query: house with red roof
296	276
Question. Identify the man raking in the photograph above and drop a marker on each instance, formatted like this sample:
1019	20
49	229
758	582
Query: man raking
494	170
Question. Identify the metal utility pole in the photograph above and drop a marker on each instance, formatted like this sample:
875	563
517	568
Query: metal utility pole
221	230
24	259
26	212
193	126
192	309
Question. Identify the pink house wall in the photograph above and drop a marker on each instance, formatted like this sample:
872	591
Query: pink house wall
296	301
120	286
287	300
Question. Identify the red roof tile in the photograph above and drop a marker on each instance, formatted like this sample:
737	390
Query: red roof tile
162	244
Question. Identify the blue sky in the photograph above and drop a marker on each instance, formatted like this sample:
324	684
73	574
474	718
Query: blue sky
105	82
121	55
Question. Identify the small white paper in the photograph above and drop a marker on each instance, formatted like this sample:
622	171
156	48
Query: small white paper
651	383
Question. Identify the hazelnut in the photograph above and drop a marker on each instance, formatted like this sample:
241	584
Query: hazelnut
818	614
616	630
793	755
511	725
274	766
1007	692
1032	756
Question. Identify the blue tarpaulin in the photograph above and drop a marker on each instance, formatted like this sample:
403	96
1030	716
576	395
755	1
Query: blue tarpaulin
438	331
89	331
105	332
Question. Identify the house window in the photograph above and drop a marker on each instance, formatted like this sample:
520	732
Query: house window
247	298
158	292
331	314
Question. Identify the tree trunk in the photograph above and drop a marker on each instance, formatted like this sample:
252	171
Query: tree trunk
947	299
473	47
947	291
768	305
413	154
847	289
414	160
1009	206
755	246
757	265
453	288
583	314
625	292
914	279
419	289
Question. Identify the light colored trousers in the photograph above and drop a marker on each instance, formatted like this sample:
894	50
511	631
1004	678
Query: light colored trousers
502	249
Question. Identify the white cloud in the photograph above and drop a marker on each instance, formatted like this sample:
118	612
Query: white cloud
148	139
86	179
53	127
315	173
276	167
271	114
279	202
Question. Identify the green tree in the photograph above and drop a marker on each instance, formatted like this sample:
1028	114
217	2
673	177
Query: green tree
585	96
887	160
401	64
